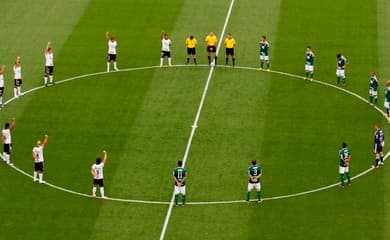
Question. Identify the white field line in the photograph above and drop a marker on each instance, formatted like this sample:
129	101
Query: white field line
198	203
195	124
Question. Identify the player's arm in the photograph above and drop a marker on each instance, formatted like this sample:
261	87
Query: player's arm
3	139
162	34
33	155
259	176
104	156
175	179
47	46
108	36
93	173
2	69
45	140
12	125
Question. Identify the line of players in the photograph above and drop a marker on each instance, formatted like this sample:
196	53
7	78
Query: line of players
180	174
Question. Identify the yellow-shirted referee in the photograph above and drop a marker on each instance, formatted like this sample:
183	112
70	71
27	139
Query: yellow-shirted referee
211	43
230	43
191	43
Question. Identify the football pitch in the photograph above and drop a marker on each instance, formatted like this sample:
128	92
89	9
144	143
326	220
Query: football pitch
214	119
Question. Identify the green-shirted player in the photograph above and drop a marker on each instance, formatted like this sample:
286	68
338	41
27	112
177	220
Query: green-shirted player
180	176
341	63
309	65
254	173
345	158
264	47
374	83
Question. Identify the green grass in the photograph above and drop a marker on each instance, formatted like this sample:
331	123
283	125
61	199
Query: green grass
143	118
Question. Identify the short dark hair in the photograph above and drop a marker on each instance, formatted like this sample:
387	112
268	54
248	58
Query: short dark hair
264	37
338	55
191	37
98	160
179	163
254	162
343	144
309	47
6	125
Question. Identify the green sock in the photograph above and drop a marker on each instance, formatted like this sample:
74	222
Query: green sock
268	65
338	79
312	75
307	74
176	199
261	64
371	99
183	199
349	177
375	100
259	195
248	196
342	179
344	80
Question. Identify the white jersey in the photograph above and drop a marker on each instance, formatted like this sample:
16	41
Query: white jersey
49	57
1	80
166	45
112	47
98	169
17	72
7	136
38	152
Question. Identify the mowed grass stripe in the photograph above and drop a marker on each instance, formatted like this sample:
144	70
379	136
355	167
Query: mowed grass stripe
383	13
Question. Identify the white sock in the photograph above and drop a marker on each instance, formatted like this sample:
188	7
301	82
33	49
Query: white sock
115	66
102	191
40	177
94	191
169	61
108	66
35	176
15	92
45	80
51	78
161	61
1	100
4	157
19	91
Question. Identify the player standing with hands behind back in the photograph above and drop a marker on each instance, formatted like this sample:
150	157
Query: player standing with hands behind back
97	173
37	153
17	77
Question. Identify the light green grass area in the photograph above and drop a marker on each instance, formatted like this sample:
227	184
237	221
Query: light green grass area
143	118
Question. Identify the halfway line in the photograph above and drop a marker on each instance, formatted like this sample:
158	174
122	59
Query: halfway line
195	124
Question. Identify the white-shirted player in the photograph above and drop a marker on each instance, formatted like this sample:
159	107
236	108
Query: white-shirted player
37	154
7	141
97	173
49	64
17	77
1	85
165	49
111	57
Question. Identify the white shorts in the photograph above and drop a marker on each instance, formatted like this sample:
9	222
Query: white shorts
309	68
343	170
373	93
264	58
340	73
180	190
251	186
387	105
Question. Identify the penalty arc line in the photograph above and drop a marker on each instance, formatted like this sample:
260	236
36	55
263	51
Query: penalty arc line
195	124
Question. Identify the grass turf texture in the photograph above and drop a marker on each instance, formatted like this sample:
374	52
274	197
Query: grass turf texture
143	119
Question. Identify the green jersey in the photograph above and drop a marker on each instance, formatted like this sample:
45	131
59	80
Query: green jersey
180	173
344	154
254	170
373	83
341	62
264	46
387	94
310	58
